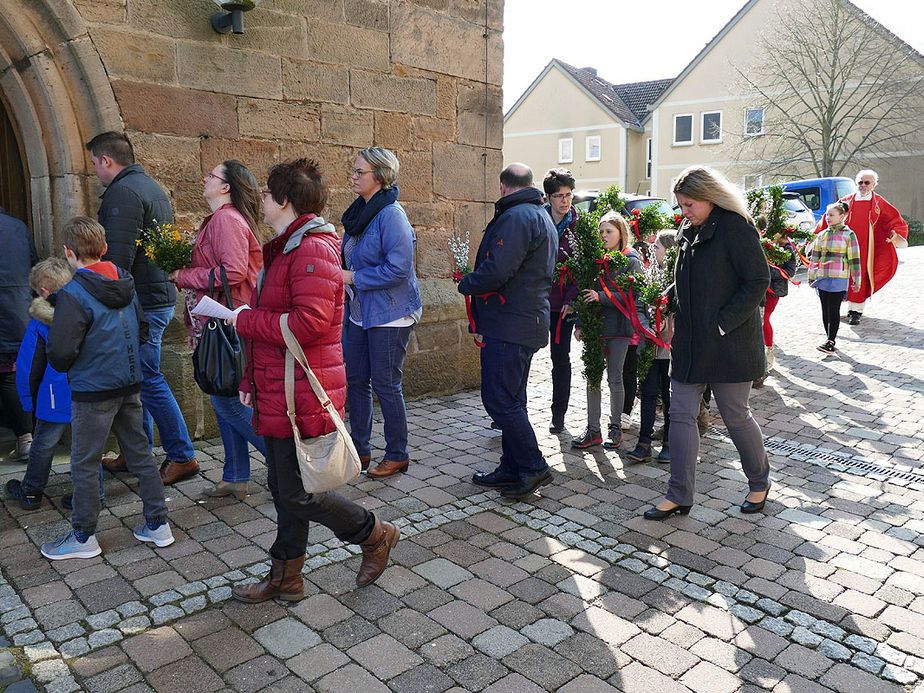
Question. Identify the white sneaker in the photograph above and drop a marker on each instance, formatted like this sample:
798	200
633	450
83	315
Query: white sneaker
160	537
67	546
626	422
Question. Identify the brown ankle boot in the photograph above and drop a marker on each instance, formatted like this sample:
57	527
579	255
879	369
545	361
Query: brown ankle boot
375	551
284	581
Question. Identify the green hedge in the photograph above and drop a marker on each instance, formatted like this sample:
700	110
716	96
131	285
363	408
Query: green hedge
915	230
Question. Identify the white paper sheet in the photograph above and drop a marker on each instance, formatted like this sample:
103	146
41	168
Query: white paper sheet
210	308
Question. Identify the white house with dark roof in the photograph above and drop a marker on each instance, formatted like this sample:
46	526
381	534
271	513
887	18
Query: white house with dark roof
571	117
641	135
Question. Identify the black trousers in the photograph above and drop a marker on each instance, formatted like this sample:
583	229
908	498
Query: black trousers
11	412
561	364
630	378
831	311
349	521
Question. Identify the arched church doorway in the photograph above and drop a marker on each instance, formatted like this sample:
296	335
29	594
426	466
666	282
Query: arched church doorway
14	179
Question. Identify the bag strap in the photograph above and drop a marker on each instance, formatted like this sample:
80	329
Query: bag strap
224	284
294	353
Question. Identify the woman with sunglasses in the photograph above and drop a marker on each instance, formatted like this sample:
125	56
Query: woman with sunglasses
227	239
384	304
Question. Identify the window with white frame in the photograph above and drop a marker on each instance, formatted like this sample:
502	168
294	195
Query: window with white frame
711	131
648	159
752	180
592	148
754	122
683	128
565	150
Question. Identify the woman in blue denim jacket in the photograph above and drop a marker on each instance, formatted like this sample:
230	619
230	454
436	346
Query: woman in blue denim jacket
383	305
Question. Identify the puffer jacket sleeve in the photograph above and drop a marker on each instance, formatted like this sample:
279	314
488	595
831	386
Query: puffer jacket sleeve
314	297
24	367
67	333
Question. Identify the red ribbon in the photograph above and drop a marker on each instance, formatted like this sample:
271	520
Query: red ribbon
471	321
627	308
563	272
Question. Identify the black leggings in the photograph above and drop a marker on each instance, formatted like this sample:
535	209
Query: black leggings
630	378
831	311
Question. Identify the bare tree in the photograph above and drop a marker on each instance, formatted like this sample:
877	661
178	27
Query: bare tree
837	89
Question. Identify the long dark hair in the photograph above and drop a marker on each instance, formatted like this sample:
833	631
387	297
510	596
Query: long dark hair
245	193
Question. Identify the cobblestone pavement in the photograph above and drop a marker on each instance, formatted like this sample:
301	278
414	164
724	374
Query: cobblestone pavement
572	591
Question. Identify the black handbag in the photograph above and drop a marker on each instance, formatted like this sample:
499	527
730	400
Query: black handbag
219	359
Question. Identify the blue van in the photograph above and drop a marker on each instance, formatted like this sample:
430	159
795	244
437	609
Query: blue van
818	193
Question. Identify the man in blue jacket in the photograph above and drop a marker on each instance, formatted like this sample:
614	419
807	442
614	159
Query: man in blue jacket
510	305
133	201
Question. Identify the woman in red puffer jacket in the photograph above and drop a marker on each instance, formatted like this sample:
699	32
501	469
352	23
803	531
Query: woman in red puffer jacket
302	277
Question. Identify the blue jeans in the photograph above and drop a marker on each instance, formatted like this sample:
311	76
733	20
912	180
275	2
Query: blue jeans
159	404
91	423
236	431
504	373
374	359
45	438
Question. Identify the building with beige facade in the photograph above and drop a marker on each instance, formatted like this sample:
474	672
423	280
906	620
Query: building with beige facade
315	78
707	115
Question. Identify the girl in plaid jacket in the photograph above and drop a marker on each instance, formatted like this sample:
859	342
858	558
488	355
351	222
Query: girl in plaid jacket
834	263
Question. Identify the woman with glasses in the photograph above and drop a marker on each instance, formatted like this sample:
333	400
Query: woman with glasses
383	305
227	239
559	188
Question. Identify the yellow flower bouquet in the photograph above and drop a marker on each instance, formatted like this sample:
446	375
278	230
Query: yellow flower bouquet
167	247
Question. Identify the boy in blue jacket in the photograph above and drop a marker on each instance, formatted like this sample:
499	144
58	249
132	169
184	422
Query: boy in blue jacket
95	337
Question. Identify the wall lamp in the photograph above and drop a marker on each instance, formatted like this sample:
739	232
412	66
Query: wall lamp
232	19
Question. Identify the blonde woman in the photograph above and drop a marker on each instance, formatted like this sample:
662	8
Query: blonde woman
719	279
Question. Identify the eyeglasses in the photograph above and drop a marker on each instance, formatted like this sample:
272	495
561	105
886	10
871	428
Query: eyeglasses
358	173
864	182
264	193
562	196
212	175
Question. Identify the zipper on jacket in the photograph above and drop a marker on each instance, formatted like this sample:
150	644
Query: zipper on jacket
51	392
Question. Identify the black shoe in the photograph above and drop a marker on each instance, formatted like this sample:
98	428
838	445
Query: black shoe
526	487
853	317
26	502
495	426
656	514
641	453
495	479
613	437
827	347
749	508
557	425
665	455
587	440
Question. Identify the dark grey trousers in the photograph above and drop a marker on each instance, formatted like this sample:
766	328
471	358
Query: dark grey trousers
732	400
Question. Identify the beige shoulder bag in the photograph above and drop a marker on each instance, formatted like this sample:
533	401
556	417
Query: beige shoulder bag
328	461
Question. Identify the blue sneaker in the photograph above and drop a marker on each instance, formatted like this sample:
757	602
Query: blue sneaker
69	546
24	500
160	537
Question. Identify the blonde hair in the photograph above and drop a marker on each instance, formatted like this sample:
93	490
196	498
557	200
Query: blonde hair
85	237
384	165
619	221
708	185
50	274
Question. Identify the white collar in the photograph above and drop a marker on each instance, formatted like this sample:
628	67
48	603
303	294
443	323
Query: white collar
864	196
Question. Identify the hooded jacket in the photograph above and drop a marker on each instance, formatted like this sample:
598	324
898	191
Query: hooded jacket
302	277
17	257
95	336
41	388
133	201
516	259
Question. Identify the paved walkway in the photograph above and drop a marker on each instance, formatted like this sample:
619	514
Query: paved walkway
573	591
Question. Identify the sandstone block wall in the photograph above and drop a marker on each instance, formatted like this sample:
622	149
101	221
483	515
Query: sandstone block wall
323	78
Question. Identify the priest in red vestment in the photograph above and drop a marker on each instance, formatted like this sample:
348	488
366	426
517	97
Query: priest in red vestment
879	228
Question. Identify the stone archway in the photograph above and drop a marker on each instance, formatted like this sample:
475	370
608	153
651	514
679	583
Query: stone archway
58	96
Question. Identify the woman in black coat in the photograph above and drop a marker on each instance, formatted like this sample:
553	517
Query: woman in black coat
719	280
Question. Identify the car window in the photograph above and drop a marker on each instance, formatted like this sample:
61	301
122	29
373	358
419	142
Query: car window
663	207
810	196
794	205
843	188
586	206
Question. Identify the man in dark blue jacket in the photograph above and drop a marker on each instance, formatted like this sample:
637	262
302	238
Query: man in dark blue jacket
510	305
133	201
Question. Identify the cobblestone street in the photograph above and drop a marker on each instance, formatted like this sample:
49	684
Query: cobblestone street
572	591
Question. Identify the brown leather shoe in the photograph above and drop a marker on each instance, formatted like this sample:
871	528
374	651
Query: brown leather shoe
227	488
284	581
388	467
115	464
172	471
375	551
364	461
